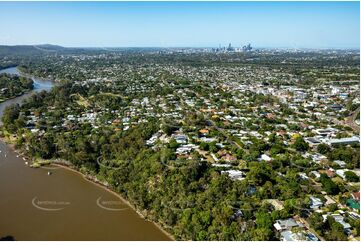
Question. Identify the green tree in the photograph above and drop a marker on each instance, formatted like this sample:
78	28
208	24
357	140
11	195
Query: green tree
351	176
323	148
328	185
316	222
300	144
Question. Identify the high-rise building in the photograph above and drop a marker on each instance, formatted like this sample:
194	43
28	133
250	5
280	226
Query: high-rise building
247	48
230	48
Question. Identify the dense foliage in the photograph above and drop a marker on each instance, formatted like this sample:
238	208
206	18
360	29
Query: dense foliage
186	194
13	85
192	200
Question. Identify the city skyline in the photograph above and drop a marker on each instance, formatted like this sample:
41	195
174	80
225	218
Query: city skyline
182	24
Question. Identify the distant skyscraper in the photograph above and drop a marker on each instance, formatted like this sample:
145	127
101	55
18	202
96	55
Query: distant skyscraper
230	48
247	47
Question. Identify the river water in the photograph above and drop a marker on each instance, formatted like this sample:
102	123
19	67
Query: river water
62	205
39	85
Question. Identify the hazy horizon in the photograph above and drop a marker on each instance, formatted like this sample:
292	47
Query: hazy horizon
190	47
288	25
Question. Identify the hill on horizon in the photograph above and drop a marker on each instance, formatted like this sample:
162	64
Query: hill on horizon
29	49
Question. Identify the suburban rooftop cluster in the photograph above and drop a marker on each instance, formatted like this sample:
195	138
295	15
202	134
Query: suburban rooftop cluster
287	132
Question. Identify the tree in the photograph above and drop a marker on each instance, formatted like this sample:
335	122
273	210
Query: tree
328	185
300	144
259	173
173	144
337	231
168	129
11	113
262	234
351	176
264	220
204	146
276	149
323	148
212	147
316	222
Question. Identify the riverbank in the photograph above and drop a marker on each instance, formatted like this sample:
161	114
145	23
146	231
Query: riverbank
32	76
10	144
106	187
9	141
89	178
21	92
7	67
19	95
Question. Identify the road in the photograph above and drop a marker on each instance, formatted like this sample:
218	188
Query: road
350	121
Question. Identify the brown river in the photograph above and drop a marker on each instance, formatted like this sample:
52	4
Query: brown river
62	205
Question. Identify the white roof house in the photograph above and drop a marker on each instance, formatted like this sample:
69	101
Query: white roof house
339	219
341	173
316	203
286	224
340	163
344	141
234	174
265	157
316	174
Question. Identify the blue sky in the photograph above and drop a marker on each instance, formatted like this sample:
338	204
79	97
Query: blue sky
192	24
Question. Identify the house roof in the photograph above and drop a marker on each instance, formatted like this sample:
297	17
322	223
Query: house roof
285	224
289	236
345	140
356	195
203	131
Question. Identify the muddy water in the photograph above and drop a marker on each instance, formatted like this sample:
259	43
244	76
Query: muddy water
63	205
